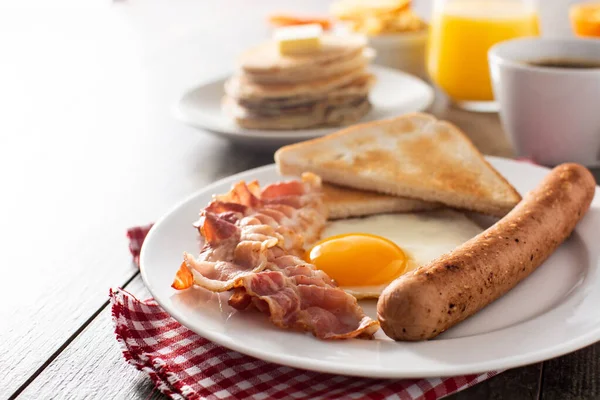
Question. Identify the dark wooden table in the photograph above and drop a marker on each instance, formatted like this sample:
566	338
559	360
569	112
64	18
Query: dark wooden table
88	148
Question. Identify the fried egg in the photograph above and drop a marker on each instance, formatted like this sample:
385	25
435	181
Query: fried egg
363	255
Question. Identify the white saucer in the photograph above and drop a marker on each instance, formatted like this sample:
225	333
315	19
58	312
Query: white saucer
552	312
394	93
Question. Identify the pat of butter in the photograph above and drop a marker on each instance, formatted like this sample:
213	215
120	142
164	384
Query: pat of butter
300	39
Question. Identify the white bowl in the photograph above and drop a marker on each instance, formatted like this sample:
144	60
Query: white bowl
403	51
551	115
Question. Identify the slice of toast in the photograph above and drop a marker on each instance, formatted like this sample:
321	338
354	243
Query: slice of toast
413	156
344	202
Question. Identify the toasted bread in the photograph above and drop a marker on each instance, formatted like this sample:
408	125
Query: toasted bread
344	202
414	156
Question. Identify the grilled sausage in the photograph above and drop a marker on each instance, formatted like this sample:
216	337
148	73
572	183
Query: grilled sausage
423	304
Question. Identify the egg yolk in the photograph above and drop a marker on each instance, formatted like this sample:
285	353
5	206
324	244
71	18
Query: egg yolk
358	259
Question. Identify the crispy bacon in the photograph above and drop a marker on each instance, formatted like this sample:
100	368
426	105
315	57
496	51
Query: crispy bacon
283	189
242	232
215	230
328	312
253	241
240	300
183	279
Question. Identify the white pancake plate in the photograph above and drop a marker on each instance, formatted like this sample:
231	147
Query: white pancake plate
395	93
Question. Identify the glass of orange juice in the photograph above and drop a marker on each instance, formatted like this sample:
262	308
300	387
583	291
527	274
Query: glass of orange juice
461	33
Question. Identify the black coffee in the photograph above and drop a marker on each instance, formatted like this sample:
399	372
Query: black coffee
565	63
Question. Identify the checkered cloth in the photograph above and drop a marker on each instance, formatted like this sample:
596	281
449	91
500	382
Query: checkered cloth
184	365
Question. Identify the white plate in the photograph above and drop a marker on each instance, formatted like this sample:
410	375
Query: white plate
552	312
394	93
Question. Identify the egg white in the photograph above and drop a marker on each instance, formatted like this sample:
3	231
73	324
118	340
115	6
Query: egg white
422	236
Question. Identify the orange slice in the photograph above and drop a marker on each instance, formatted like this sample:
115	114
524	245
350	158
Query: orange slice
288	20
585	19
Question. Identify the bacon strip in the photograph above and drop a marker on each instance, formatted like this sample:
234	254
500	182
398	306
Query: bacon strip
253	240
303	298
241	231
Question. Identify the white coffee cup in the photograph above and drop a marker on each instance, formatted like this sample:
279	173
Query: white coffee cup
551	115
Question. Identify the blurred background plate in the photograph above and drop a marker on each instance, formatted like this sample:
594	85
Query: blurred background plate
395	93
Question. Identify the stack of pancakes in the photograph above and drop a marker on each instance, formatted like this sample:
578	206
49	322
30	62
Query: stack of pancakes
327	87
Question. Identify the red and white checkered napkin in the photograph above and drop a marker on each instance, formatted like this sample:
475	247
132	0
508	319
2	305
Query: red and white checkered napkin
185	365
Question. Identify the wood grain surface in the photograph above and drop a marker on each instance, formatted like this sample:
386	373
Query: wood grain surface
88	148
92	365
515	384
575	376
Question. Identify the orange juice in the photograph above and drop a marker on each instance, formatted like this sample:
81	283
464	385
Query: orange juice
585	19
461	34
